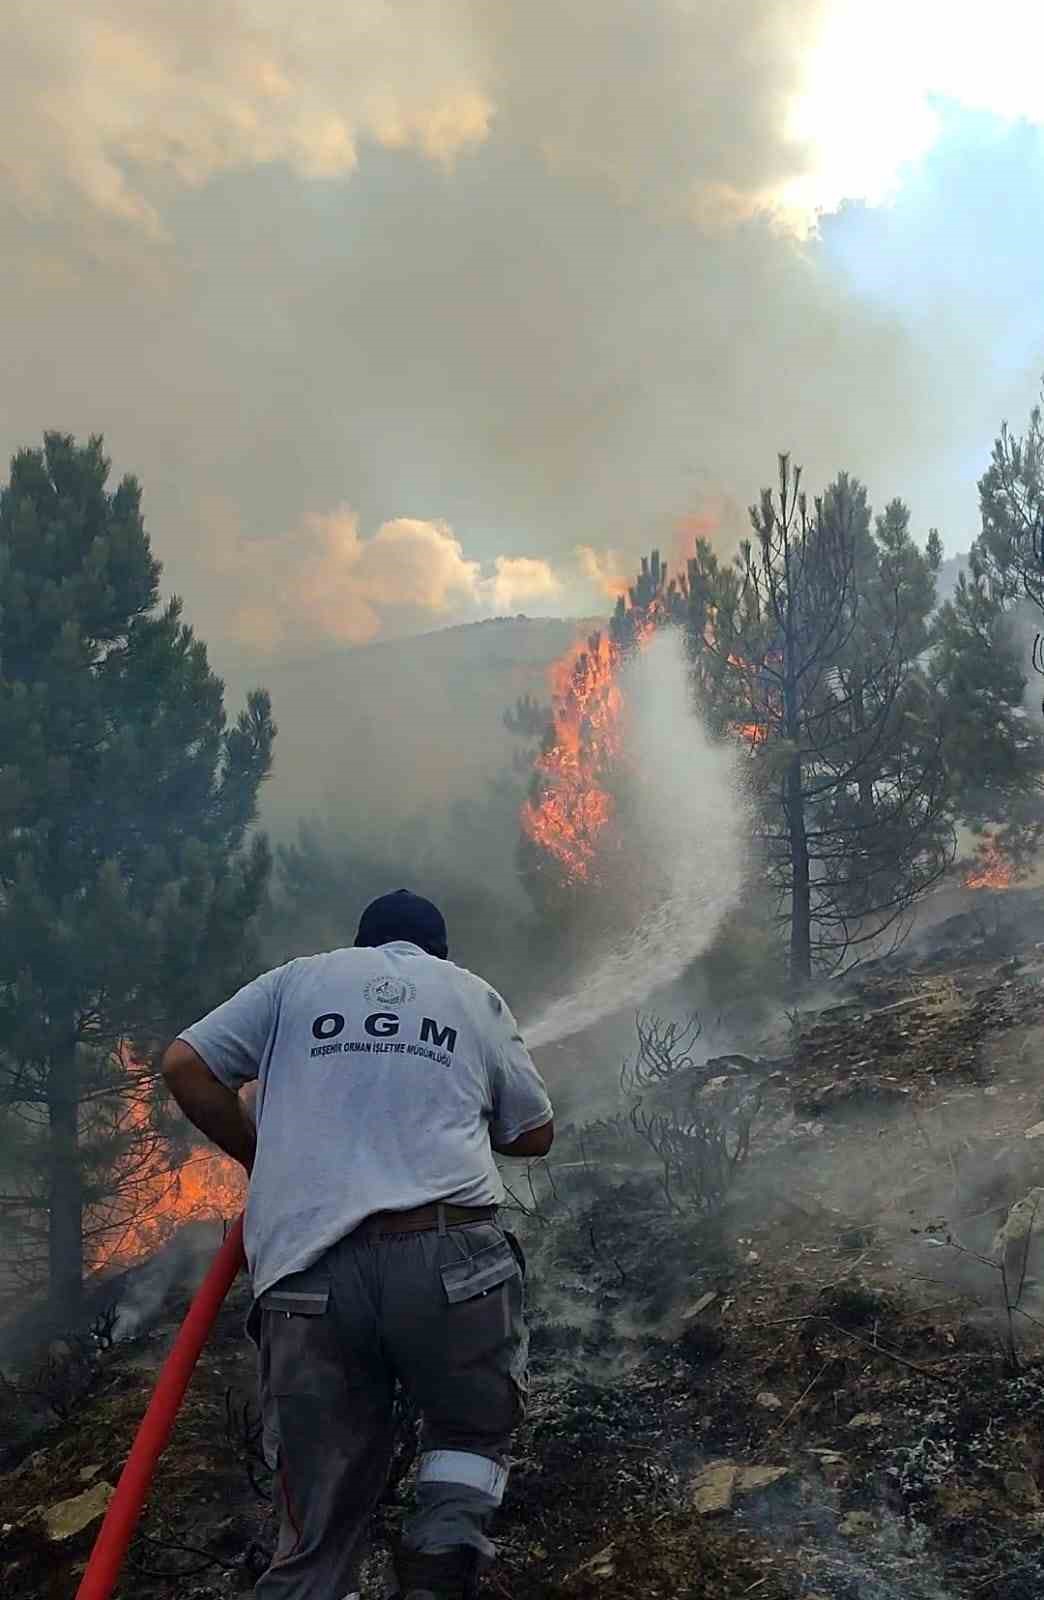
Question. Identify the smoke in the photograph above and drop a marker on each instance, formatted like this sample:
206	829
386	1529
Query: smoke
689	817
142	1291
515	272
324	580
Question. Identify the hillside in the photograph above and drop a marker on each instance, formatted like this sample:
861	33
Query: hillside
817	1395
391	728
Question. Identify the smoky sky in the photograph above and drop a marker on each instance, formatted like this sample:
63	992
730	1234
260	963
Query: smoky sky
392	308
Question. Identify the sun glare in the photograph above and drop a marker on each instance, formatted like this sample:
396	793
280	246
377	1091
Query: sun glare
875	79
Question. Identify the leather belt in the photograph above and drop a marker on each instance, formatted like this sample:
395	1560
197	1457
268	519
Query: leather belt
425	1219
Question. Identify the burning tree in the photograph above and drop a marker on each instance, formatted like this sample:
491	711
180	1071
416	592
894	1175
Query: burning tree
571	802
811	648
128	885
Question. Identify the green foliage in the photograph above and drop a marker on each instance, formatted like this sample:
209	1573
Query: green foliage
991	751
982	653
129	883
810	648
1011	500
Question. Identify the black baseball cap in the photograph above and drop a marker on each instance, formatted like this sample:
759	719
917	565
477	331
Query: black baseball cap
402	915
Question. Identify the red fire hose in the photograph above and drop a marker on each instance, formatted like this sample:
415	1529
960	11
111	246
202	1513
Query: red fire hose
116	1532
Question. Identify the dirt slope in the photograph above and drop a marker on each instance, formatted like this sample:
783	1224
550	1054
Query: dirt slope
815	1395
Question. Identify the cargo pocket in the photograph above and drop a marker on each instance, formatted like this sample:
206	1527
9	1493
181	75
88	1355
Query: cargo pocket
294	1333
484	1296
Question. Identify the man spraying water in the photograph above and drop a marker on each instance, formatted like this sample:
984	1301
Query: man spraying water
386	1079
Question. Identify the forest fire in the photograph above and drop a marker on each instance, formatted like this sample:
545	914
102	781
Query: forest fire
570	806
752	732
154	1194
992	869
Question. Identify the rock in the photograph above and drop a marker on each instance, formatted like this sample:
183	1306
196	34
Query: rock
1036	1132
602	1565
85	1474
718	1485
1011	1242
1022	1489
714	1488
857	1525
833	1467
867	1419
768	1401
699	1306
752	1480
68	1517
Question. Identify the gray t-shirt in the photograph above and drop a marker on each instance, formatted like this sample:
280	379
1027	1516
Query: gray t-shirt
381	1075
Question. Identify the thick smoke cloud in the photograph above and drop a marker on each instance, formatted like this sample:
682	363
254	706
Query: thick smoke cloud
674	101
505	280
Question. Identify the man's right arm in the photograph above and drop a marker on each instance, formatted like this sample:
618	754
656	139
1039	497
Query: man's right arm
522	1123
211	1107
537	1142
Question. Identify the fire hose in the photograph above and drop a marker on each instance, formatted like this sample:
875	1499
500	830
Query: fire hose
110	1547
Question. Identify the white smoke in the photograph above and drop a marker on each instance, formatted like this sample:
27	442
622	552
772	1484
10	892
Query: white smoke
692	816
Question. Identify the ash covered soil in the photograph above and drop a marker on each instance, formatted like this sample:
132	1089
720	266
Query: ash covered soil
824	1391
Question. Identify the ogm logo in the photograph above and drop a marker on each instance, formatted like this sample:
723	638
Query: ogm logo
390	991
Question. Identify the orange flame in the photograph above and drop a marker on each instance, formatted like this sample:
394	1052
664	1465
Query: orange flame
753	732
570	808
993	870
154	1196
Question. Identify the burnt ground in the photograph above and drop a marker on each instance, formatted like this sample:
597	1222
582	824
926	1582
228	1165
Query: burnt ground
824	1392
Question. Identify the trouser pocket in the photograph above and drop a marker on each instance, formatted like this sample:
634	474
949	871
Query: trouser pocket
289	1346
483	1293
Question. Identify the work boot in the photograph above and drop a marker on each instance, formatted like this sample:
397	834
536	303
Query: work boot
450	1575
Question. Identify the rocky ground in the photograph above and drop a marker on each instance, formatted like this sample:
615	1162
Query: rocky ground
834	1388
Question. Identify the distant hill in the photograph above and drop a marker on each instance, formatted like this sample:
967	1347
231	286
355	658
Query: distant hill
388	729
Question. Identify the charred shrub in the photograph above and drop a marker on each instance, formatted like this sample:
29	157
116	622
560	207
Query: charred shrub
854	1304
698	1128
57	1381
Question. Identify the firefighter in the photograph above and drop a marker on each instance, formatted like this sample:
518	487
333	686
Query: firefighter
387	1078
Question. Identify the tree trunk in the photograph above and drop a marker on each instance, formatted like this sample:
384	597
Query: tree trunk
65	1188
800	886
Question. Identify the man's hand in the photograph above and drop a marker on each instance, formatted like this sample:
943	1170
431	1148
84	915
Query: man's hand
209	1106
537	1142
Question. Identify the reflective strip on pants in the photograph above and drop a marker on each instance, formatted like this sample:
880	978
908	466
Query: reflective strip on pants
461	1467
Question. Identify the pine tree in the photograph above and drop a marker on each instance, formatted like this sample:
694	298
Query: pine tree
983	656
809	648
129	878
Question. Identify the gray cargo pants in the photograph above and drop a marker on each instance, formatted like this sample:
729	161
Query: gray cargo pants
442	1312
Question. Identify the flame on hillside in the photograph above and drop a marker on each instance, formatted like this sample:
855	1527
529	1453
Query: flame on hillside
991	870
152	1195
570	807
